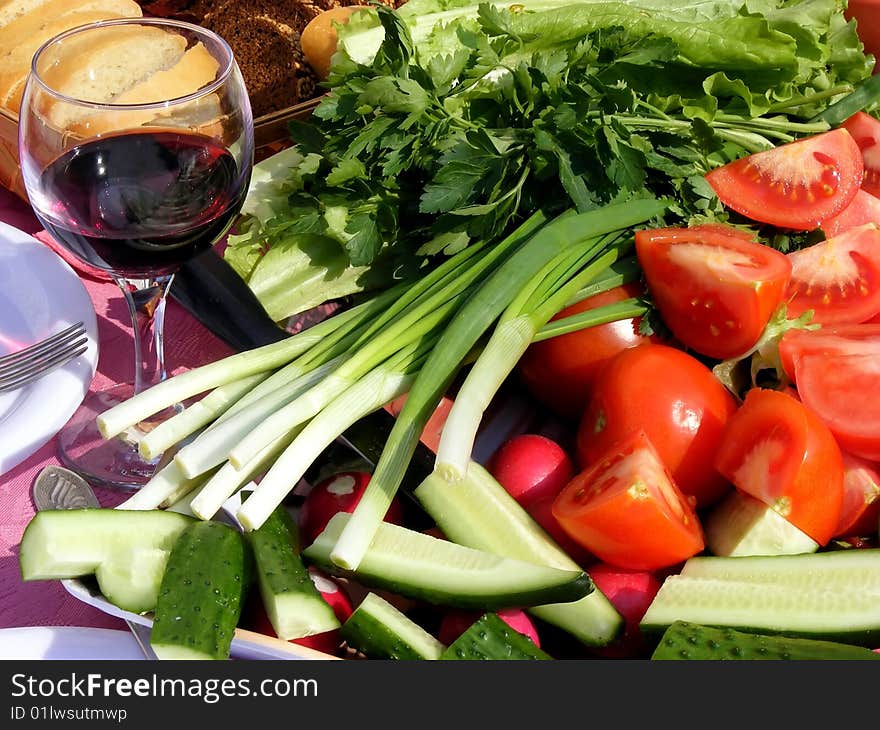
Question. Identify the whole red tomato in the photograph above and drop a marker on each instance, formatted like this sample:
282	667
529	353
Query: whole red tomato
560	371
675	400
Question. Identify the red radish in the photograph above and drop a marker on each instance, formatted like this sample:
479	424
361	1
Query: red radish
630	592
456	621
531	467
337	493
541	512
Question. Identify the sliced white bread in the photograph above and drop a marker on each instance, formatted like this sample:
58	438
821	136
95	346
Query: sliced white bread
114	62
36	13
16	52
194	70
12	9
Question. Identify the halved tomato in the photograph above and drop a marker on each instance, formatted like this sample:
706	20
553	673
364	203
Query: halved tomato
714	286
837	373
865	130
777	450
864	208
796	185
627	511
839	278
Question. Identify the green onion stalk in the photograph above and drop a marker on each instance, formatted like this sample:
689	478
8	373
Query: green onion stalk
459	336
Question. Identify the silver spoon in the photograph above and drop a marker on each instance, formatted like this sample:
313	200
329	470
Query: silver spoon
58	488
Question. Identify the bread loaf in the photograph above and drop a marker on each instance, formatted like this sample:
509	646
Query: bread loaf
265	36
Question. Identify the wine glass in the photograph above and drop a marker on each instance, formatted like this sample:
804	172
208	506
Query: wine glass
136	147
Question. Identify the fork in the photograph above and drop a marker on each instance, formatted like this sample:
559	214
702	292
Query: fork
26	365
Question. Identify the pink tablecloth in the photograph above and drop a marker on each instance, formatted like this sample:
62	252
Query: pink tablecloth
188	344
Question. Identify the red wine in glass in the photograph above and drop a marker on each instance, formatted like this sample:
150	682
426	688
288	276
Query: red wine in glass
141	203
134	176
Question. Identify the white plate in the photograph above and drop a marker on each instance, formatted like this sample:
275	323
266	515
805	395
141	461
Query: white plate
40	294
67	642
245	644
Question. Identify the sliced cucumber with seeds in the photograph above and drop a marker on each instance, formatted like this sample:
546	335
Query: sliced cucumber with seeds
381	631
420	566
130	579
835	570
478	512
812	610
59	544
294	605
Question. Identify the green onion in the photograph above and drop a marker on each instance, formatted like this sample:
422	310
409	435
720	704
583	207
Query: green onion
164	488
196	416
515	331
372	392
224	482
473	319
213	446
201	379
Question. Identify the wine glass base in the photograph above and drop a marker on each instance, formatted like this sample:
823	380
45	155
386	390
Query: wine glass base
113	463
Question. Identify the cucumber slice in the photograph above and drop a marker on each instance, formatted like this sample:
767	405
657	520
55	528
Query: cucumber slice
742	525
478	512
381	631
294	605
59	544
814	611
420	566
850	571
489	637
201	593
131	578
685	640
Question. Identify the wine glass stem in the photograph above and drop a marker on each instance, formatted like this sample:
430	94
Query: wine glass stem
146	300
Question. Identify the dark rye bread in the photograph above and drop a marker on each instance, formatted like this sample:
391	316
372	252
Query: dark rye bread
265	38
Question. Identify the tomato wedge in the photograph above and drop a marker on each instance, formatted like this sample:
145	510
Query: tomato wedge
796	185
714	286
864	208
676	400
627	511
842	339
839	278
860	515
865	130
837	374
777	450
